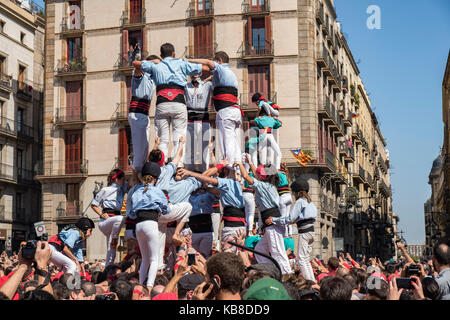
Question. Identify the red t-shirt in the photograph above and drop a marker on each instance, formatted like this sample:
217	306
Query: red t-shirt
4	279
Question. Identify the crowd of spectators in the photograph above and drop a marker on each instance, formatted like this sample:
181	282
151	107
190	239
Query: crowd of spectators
230	275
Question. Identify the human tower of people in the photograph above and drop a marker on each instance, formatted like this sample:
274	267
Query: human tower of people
169	197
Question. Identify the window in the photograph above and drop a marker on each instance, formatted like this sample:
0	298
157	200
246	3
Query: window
203	46
125	149
21	77
74	49
259	35
74	14
19	206
258	81
72	199
20	117
2	26
132	46
22	37
73	151
257	5
74	94
2	65
204	6
135	11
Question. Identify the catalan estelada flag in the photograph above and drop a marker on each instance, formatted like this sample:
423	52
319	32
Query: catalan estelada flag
301	157
355	115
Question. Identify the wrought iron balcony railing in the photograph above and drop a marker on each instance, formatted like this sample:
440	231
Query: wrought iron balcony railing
72	114
248	8
5	82
67	209
68	25
195	11
75	65
203	51
257	49
131	18
63	168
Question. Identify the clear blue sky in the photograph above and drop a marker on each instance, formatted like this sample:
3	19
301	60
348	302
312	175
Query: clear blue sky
402	66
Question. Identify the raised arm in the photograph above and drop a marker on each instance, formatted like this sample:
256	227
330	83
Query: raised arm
157	141
205	62
199	177
244	172
269	110
211	152
177	158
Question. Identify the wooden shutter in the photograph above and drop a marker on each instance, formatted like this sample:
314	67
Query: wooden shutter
249	33
125	46
73	100
73	140
135	10
203	47
72	199
268	35
259	81
129	92
123	149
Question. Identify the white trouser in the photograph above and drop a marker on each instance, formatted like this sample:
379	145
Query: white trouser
202	242
197	140
140	134
305	243
272	244
111	229
249	203
228	122
148	239
170	114
216	217
270	151
179	212
285	206
63	262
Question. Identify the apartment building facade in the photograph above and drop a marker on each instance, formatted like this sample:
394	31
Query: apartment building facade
21	98
308	71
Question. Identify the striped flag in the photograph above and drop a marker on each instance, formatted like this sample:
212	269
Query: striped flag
355	115
301	157
124	206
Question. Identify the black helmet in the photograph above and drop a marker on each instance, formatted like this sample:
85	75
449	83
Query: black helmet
256	97
85	223
300	185
151	169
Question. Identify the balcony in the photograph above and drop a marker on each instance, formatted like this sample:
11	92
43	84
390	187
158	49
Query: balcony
348	120
133	19
8	127
194	12
71	29
384	189
8	173
121	113
261	50
75	68
359	176
344	84
333	73
323	59
201	51
382	165
328	205
124	63
248	9
320	15
74	116
347	153
25	132
5	83
25	176
24	90
356	134
326	27
369	180
73	170
70	209
326	111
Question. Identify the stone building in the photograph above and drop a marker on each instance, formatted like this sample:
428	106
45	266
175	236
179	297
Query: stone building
21	97
310	72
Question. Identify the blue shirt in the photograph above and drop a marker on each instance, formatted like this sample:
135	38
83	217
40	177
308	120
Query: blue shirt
171	71
253	142
142	87
202	203
166	176
224	76
267	122
300	211
110	197
180	191
230	193
266	195
72	239
152	199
